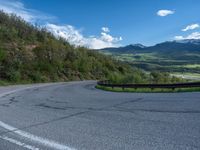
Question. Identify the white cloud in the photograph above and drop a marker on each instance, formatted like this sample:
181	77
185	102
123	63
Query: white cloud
75	37
164	13
191	27
97	43
194	35
178	37
68	32
105	29
18	8
109	38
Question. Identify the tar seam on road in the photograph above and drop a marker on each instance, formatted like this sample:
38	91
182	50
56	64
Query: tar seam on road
75	114
34	138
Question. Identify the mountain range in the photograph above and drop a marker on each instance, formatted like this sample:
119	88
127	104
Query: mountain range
182	56
189	45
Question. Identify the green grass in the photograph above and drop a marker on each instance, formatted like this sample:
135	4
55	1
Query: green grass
148	90
7	83
133	57
148	61
186	66
191	76
4	83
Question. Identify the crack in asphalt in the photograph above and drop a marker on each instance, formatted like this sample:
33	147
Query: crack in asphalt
70	116
126	102
52	107
89	109
11	101
158	111
127	105
168	111
42	123
57	102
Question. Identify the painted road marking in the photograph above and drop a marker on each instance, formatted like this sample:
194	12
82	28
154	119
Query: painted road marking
11	140
34	138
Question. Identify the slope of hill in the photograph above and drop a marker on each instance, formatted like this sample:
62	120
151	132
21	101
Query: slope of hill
175	56
31	54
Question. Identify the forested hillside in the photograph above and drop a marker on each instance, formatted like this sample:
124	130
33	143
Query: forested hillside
31	54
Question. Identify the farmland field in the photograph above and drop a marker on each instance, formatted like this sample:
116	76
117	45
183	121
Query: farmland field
186	65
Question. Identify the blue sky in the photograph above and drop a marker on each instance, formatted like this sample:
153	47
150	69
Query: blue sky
124	21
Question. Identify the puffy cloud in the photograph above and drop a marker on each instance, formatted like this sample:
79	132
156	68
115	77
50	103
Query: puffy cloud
164	13
97	43
108	38
68	32
18	8
191	27
178	37
105	29
75	37
194	35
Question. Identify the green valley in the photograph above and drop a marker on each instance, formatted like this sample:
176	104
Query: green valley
179	60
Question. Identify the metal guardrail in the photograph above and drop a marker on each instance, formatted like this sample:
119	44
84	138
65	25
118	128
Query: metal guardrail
151	86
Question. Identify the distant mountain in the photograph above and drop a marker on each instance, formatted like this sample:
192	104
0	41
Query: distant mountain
176	46
138	45
191	41
169	46
127	49
171	56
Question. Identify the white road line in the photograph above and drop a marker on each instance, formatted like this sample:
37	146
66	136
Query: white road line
34	138
18	143
43	141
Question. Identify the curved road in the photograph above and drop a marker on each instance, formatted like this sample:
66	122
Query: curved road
75	115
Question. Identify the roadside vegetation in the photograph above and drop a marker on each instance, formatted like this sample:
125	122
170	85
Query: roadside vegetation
142	77
31	54
173	62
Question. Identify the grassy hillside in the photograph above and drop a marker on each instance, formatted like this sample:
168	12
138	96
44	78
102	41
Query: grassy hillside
31	54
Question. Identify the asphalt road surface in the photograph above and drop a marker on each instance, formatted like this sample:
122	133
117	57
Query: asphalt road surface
75	115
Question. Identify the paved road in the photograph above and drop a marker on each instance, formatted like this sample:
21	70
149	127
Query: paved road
75	115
